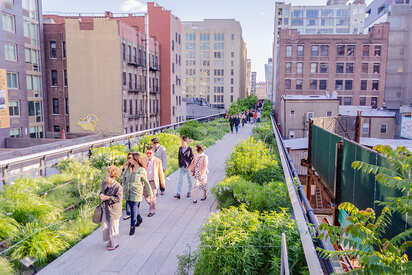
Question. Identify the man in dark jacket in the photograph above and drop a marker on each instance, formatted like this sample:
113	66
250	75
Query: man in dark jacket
231	123
185	157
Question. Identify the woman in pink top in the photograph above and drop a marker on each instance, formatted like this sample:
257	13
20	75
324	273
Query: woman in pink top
200	171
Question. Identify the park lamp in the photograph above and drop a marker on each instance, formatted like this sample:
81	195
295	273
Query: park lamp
29	263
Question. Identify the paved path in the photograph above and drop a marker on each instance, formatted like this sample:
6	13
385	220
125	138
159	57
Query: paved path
158	241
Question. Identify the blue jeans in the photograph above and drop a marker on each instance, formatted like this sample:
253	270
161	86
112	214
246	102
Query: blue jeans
237	128
134	212
182	172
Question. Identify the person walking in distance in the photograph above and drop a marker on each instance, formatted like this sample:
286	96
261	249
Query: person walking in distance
160	153
155	176
199	169
185	157
231	123
134	186
111	196
243	118
237	122
255	116
124	177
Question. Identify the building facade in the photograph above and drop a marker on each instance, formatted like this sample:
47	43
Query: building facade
248	76
268	78
167	28
21	56
116	97
336	17
353	65
253	83
214	61
261	90
297	110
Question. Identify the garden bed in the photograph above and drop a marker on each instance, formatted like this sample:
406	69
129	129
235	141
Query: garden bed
43	217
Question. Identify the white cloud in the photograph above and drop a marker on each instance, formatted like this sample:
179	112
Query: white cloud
133	6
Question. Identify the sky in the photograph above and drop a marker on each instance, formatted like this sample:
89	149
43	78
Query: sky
255	16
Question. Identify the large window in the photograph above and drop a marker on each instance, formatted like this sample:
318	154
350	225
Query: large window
288	67
33	82
14	108
350	50
315	50
348	85
32	57
288	50
12	80
54	78
53	49
55	106
376	68
288	83
339	68
15	132
365	50
31	30
324	50
364	85
299	67
10	52
384	128
300	50
312	13
299	84
323	83
341	50
9	23
32	7
364	68
339	85
313	68
374	102
347	100
375	85
323	68
362	101
378	50
349	68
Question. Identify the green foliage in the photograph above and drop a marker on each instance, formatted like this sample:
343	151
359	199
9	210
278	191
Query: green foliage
243	104
236	241
103	157
186	263
235	190
267	109
8	227
5	267
251	158
363	239
82	225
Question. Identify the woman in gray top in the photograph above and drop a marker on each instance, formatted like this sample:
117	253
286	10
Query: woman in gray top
111	196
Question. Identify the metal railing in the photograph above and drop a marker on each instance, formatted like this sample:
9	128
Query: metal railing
15	167
304	214
284	260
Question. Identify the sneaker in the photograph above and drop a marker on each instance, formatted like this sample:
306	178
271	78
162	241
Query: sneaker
151	214
112	248
132	230
188	195
139	221
126	217
195	201
177	196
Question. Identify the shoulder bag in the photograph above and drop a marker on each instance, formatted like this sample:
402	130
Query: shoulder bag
98	214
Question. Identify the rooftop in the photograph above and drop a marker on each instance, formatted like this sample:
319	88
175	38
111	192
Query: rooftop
394	143
310	97
367	111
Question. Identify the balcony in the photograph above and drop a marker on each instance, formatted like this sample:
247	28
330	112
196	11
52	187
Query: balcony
132	62
154	67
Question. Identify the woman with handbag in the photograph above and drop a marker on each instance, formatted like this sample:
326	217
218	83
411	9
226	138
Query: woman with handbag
111	196
136	181
200	171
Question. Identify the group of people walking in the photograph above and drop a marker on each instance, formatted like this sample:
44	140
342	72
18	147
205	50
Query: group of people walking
249	116
142	176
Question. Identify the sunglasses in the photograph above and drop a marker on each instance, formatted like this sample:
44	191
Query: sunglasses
149	153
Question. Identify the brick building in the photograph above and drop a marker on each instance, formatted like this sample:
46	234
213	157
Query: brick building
352	65
103	79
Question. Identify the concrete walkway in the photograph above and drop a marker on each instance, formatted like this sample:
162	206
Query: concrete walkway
160	239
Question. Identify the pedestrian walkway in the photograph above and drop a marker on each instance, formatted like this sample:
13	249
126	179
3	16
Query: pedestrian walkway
160	239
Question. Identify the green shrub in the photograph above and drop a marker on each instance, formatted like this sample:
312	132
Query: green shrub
105	156
82	225
5	267
8	227
248	158
189	131
235	190
236	241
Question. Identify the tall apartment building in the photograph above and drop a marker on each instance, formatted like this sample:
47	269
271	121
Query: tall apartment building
21	56
398	13
96	69
268	78
248	76
253	83
336	17
261	90
351	65
214	61
167	29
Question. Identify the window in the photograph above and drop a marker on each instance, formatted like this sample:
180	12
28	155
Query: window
299	67
64	49
288	83
384	128
66	105
232	72
350	50
378	50
55	106
324	50
33	82
299	84
362	101
14	108
131	107
12	81
300	50
376	68
364	68
54	78
10	52
341	50
340	100
130	81
309	116
339	85
231	98
339	68
65	77
347	100
288	67
124	51
365	50
15	132
288	51
375	85
323	68
374	102
348	85
314	68
323	83
349	68
292	113
315	50
9	23
313	84
364	85
53	49
124	106
124	78
365	129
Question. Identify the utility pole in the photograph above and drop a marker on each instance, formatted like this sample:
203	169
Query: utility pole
147	68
